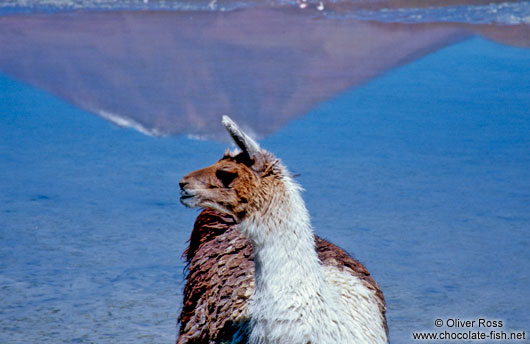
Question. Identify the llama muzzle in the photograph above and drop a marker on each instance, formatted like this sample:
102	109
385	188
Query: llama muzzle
186	197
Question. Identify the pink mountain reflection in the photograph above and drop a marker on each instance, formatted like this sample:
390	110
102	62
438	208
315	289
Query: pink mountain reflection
167	73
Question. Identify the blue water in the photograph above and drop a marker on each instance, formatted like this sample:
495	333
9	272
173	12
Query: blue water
422	173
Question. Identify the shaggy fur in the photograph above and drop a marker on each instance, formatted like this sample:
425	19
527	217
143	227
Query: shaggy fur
296	298
220	279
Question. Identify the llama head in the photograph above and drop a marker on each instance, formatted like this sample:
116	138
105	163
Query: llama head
240	183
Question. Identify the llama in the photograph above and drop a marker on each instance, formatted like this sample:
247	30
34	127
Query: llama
297	296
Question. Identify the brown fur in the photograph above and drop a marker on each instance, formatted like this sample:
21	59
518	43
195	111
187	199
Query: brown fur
246	189
220	279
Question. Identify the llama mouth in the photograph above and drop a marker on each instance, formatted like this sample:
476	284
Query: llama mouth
186	198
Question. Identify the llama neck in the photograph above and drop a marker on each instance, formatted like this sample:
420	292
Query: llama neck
289	276
281	233
287	258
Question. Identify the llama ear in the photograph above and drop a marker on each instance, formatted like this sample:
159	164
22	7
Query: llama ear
244	142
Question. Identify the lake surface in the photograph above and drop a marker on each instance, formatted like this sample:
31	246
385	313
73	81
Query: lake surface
409	126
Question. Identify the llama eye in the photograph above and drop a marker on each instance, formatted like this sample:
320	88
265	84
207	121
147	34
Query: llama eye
225	177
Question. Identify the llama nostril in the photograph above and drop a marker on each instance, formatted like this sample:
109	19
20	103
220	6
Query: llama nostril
182	185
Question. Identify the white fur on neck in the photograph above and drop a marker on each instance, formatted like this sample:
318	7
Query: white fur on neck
297	300
288	273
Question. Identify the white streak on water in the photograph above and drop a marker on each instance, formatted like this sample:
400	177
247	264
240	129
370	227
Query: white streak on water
125	122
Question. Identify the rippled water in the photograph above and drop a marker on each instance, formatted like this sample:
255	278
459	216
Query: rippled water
413	145
15	6
508	13
463	11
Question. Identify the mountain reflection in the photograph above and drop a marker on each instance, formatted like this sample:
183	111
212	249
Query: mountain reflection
167	73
